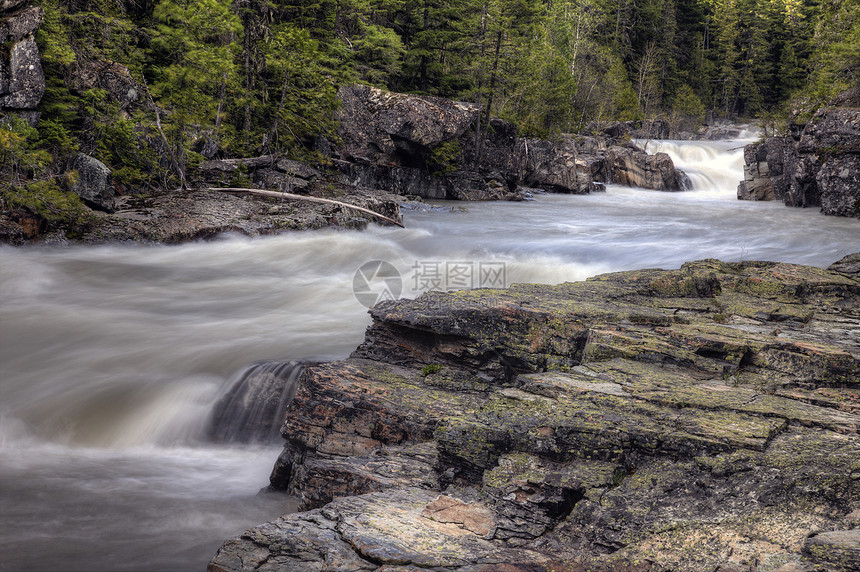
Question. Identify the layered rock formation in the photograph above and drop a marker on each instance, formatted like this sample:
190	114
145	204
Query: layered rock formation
816	165
704	418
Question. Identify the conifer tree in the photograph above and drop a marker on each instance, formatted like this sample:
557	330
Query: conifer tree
193	47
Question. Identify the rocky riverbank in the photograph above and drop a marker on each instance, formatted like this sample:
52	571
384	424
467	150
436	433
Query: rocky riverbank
704	418
389	145
817	164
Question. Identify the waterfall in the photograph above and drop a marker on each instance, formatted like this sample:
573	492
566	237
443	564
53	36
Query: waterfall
714	167
252	410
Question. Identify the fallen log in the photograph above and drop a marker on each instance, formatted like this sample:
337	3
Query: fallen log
278	194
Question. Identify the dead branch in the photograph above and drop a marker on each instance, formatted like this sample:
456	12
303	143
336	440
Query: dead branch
303	198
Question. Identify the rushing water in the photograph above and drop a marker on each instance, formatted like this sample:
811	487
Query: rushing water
111	357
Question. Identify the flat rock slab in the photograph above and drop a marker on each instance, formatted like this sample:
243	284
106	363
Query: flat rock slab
704	418
407	527
839	548
182	216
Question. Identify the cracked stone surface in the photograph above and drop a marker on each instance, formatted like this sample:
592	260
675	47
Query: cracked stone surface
704	418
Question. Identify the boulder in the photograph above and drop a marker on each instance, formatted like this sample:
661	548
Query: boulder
6	5
720	131
633	167
388	140
704	418
838	181
554	166
644	129
399	128
16	26
267	172
92	181
113	78
827	167
837	548
393	179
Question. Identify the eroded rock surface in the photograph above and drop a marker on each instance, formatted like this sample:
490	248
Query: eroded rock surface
704	418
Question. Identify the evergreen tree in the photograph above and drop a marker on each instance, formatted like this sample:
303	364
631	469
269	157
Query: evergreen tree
193	46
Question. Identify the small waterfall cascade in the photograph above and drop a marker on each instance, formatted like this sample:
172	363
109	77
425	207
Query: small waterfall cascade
253	408
713	167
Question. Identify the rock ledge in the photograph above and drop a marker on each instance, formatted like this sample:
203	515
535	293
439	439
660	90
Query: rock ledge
704	418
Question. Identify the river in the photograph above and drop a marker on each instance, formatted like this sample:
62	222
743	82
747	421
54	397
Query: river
111	357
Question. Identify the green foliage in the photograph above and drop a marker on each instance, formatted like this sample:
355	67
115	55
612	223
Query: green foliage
49	201
303	93
688	105
193	47
626	104
431	369
26	181
121	146
20	154
53	36
444	158
379	55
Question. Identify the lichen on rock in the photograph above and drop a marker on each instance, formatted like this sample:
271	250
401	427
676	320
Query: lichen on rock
690	419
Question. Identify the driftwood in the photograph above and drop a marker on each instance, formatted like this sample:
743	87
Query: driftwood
280	195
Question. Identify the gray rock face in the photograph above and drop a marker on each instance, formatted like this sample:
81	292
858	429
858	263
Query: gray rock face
268	172
22	82
838	181
647	129
764	171
93	181
375	123
838	548
828	166
816	166
9	4
556	166
388	139
112	77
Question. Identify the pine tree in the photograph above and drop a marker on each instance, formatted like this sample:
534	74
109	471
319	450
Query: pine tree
193	45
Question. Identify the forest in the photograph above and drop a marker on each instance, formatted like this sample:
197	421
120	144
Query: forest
252	77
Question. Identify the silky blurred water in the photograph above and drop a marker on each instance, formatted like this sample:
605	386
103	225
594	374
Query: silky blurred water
111	357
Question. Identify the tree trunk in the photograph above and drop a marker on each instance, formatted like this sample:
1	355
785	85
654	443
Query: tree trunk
277	194
478	135
493	76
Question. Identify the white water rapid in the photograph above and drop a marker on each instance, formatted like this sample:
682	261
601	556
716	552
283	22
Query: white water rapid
111	357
